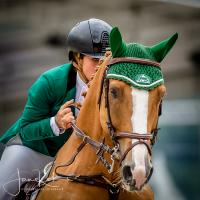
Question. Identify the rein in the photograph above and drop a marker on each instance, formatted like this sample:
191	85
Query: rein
93	180
100	147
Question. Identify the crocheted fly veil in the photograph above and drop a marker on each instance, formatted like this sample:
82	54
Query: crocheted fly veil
136	64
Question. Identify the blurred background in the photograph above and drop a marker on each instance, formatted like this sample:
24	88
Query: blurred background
32	40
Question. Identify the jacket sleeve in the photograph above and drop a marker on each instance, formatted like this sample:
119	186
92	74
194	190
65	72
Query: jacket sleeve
35	120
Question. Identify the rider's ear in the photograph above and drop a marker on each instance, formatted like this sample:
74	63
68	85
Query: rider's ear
118	46
161	49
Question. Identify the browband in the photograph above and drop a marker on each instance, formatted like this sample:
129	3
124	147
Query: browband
134	60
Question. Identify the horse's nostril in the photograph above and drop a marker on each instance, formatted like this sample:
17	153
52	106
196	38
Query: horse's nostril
127	175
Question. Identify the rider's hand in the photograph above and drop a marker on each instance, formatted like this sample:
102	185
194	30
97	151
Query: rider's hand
64	116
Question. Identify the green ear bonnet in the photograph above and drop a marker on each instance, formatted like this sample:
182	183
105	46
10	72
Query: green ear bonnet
141	75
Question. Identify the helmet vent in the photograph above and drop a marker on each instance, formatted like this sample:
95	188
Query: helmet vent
104	41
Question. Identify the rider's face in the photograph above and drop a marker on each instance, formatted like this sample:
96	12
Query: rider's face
89	66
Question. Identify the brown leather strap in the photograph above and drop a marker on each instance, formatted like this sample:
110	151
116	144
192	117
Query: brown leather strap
107	106
137	136
80	71
133	145
93	180
71	160
134	60
97	145
142	139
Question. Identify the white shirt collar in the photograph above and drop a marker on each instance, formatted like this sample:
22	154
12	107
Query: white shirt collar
80	88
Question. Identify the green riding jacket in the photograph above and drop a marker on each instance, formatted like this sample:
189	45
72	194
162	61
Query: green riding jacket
51	90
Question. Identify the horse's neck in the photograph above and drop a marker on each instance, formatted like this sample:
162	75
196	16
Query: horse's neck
89	116
89	122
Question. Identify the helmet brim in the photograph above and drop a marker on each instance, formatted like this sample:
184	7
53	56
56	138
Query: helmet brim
96	55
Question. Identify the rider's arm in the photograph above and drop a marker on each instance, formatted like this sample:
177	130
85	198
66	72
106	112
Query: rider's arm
35	120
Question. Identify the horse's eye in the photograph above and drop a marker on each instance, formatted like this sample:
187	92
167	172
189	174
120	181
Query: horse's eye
114	92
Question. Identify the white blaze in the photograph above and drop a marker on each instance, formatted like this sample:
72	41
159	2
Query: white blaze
139	123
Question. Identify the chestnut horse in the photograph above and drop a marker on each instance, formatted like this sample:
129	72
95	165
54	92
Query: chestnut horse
108	156
92	120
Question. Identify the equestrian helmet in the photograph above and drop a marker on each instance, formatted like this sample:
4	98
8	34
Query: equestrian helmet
89	37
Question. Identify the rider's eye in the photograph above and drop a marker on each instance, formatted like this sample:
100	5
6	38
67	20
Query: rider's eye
114	92
95	59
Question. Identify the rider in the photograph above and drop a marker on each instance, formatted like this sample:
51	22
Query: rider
45	123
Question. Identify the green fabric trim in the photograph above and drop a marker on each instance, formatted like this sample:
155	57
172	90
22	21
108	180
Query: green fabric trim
133	83
137	75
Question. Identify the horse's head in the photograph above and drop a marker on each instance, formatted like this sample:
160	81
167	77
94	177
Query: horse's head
134	88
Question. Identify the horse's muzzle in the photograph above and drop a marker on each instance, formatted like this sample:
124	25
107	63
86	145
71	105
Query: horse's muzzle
134	178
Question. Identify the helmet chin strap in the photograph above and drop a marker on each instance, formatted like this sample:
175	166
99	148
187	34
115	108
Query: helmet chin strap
80	72
79	67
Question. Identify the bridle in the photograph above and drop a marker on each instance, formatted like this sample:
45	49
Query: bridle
100	147
147	139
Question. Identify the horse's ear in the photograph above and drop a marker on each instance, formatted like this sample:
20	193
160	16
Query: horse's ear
118	46
161	49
